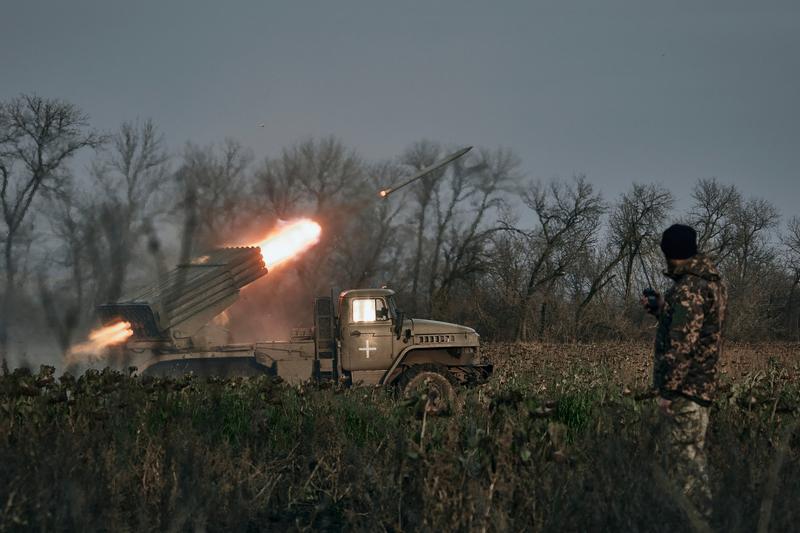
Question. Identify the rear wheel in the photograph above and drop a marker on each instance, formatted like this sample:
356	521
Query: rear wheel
432	385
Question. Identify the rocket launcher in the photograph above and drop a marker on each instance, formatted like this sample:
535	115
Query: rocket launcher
188	297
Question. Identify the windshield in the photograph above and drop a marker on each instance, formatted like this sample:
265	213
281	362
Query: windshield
369	310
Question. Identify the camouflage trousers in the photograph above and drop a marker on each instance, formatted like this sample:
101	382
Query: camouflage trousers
685	439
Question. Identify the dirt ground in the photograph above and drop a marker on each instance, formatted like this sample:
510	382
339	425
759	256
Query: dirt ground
629	364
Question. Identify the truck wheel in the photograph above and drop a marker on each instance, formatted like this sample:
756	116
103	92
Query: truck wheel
433	384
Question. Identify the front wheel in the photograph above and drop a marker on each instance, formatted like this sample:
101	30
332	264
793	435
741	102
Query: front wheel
431	384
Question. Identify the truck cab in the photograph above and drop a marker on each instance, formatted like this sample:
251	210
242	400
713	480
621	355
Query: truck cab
377	343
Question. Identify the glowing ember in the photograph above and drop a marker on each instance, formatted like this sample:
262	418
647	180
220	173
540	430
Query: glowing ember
99	339
288	241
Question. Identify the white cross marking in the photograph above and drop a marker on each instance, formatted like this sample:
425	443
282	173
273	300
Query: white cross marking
367	348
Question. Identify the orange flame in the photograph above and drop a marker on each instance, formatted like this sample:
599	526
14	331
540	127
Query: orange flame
99	339
288	241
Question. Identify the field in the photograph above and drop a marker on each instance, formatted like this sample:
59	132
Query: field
562	438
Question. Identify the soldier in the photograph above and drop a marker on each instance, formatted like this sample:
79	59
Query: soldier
687	348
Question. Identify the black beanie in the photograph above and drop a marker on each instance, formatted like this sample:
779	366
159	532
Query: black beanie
679	242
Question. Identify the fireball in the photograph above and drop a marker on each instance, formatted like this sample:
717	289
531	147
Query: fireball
99	339
288	241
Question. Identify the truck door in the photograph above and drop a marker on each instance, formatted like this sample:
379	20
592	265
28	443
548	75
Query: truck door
367	334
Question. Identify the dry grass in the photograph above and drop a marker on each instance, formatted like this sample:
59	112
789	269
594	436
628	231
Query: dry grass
554	442
629	364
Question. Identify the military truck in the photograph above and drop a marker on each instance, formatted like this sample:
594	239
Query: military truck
361	337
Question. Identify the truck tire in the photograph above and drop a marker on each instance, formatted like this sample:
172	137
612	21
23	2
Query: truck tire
432	383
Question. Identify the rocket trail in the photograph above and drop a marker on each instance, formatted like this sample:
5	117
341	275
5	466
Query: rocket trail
425	171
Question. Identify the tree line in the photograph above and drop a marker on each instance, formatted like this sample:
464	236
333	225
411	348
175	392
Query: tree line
476	242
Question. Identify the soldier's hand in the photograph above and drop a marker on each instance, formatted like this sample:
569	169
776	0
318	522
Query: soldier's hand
647	304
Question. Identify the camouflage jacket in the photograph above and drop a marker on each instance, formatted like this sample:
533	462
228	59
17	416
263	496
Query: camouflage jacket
689	338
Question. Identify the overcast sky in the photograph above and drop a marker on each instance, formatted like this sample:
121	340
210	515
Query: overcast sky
622	91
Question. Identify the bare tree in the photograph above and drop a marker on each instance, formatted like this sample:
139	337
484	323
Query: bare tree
326	171
216	180
739	233
276	187
480	184
418	156
791	245
373	256
753	222
505	274
712	213
588	279
634	222
37	137
445	205
751	267
568	217
63	300
128	178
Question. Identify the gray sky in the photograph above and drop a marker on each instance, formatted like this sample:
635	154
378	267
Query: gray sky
623	91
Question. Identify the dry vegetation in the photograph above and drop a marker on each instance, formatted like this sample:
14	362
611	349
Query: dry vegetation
629	365
556	441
